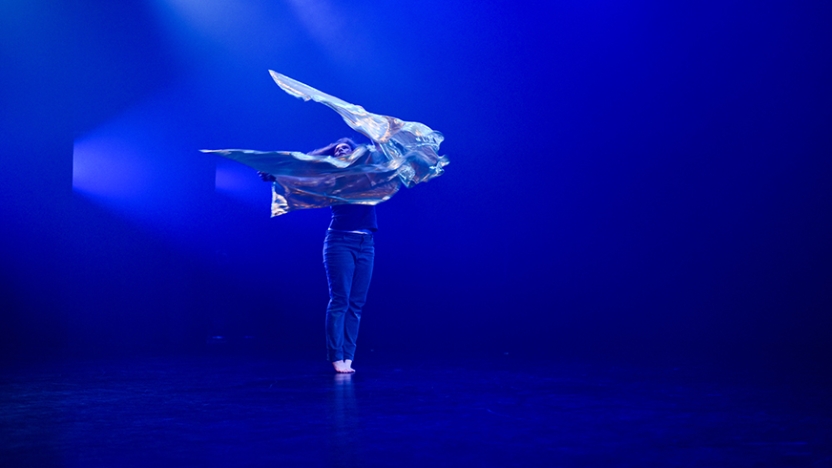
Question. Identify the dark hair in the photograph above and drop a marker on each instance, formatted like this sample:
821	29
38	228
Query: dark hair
330	148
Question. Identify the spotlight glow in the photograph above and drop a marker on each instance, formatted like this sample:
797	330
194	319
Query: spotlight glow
106	165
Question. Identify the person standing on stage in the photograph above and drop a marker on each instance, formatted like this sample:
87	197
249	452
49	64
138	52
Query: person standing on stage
348	261
351	180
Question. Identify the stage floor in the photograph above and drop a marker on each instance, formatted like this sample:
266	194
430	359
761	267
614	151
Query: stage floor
245	410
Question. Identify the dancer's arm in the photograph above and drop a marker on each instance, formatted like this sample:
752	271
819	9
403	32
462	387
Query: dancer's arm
266	177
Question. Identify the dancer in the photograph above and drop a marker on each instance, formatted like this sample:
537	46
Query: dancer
348	261
350	179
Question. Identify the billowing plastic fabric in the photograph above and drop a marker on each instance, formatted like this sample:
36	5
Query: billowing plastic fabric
402	153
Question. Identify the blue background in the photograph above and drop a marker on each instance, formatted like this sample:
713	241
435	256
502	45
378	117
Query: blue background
627	180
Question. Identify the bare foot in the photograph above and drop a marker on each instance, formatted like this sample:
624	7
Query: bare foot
348	362
342	367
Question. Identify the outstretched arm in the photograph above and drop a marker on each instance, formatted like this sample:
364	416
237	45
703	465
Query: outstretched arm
266	177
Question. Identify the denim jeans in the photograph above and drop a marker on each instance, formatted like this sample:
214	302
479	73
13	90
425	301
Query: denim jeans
348	260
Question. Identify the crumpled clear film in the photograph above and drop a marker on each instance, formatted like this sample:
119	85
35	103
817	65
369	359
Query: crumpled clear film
403	153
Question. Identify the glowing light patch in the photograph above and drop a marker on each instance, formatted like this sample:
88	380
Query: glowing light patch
233	178
241	183
108	166
139	163
249	28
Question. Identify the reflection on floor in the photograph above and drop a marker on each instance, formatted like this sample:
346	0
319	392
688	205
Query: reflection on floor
252	411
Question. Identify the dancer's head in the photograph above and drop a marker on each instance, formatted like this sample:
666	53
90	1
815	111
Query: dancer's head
341	147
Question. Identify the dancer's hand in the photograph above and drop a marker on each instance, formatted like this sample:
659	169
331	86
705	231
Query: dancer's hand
266	177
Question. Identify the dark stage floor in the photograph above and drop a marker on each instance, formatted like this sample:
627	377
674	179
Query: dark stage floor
240	411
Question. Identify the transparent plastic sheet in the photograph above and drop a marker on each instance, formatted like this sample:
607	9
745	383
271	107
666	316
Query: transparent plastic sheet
403	153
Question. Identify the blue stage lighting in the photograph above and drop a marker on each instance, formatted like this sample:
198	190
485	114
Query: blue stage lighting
108	165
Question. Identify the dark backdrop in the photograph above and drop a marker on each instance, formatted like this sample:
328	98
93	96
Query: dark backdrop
640	180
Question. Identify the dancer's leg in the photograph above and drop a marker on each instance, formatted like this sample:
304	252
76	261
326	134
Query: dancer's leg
340	267
362	274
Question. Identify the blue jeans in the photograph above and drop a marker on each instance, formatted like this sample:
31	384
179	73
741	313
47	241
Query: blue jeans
348	260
